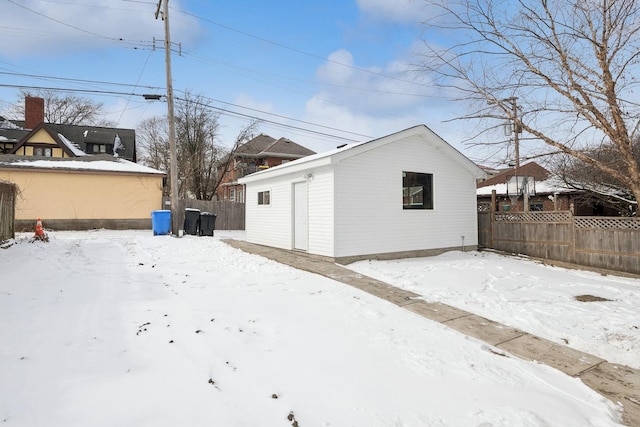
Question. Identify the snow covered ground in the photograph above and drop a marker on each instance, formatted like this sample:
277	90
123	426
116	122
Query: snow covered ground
532	297
122	328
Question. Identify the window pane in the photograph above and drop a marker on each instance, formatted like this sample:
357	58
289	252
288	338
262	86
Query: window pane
417	190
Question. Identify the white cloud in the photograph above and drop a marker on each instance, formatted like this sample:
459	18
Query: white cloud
338	68
373	89
378	101
433	115
248	101
39	27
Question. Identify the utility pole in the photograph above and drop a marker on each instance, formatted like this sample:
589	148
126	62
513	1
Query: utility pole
516	142
172	128
516	129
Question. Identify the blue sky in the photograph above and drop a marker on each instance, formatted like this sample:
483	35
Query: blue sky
346	65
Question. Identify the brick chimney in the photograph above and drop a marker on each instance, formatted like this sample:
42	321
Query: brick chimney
33	111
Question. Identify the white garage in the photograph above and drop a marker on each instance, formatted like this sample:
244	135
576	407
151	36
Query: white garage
402	195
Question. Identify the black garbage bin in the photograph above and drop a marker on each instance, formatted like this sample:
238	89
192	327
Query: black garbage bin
207	223
191	220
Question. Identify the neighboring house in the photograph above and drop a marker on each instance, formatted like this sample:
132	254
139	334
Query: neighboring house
547	193
259	153
82	193
34	137
406	194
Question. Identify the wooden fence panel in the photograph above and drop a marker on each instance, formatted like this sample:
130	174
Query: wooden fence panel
229	215
7	210
484	229
538	234
610	243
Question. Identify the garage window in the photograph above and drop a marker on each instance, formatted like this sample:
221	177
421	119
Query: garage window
264	198
417	190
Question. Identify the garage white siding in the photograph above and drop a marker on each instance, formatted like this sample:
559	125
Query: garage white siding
269	224
321	212
355	199
370	218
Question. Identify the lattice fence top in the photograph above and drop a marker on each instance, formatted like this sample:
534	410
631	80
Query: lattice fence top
556	216
484	207
607	223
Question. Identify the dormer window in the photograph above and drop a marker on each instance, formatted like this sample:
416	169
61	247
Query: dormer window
42	151
99	148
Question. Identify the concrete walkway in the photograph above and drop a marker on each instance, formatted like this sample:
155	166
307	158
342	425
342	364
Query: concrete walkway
618	383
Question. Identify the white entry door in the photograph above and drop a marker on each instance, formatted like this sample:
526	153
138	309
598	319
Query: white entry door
300	217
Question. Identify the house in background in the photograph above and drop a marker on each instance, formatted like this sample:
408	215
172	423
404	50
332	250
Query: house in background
34	137
548	193
80	193
261	152
406	194
76	177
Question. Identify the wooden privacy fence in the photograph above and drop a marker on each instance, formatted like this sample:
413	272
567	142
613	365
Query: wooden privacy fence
229	215
8	193
611	243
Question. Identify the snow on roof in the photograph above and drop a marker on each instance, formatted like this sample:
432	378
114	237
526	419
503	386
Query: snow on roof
548	186
115	165
419	129
71	146
7	124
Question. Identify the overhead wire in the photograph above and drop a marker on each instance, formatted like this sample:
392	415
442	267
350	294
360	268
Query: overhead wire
325	98
221	109
296	50
83	30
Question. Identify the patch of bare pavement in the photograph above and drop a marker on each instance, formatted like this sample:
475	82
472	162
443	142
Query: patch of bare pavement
618	383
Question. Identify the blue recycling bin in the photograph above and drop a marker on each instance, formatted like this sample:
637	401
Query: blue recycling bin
161	222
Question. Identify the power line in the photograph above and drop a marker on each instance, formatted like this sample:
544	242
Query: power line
60	22
222	110
299	51
101	36
94	91
74	80
284	117
66	79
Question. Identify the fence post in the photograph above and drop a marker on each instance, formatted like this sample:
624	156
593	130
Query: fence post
492	212
572	238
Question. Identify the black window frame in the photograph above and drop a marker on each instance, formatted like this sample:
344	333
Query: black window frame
417	190
264	197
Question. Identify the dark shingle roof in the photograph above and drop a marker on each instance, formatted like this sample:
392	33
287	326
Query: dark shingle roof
264	145
81	136
255	145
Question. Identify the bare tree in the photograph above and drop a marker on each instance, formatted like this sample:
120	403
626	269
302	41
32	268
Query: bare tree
572	64
197	127
596	185
225	164
64	109
202	159
152	143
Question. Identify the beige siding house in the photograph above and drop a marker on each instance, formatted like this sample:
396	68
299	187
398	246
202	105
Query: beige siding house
83	193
